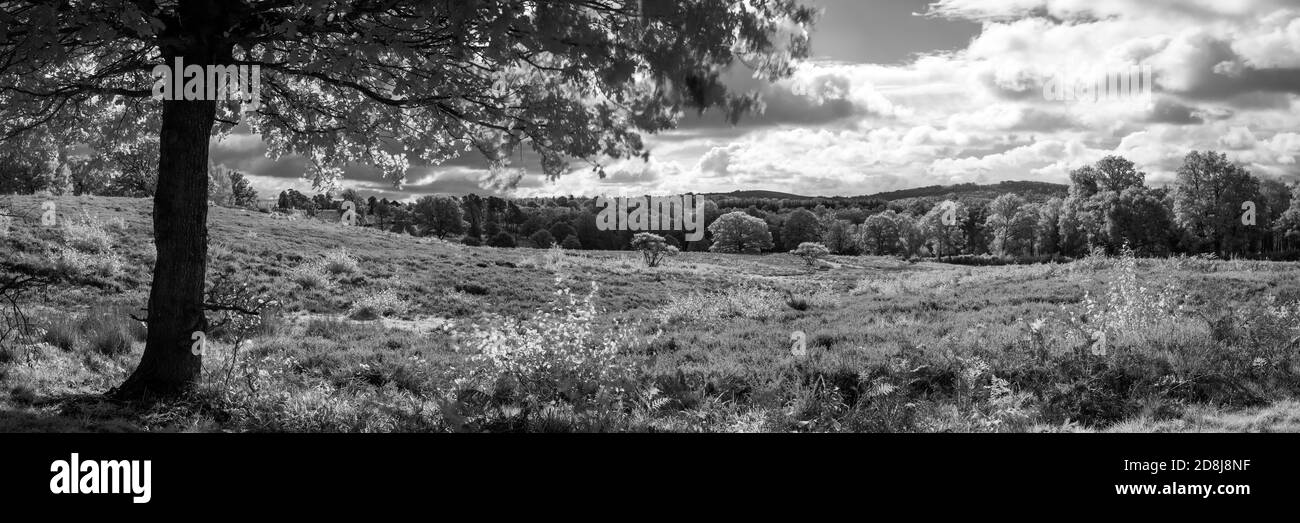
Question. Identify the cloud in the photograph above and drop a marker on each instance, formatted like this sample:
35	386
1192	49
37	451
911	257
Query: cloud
1227	75
1166	110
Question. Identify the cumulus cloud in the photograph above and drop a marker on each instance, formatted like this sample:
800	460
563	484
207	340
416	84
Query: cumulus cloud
1226	77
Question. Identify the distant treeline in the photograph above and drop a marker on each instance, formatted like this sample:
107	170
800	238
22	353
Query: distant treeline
1214	206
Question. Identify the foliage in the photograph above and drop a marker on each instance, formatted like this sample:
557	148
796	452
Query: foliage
800	226
383	303
242	193
653	248
740	232
439	215
87	234
744	301
1209	192
542	239
1129	304
312	275
340	262
811	253
502	239
560	356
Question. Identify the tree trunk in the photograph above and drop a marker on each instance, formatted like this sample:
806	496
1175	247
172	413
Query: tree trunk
169	366
180	217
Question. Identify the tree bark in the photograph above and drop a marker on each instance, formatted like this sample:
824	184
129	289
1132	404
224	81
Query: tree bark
169	366
180	215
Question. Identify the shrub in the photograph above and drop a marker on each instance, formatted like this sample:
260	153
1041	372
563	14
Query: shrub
653	248
542	239
811	252
1129	305
472	241
382	303
472	289
73	263
340	262
557	356
502	239
571	242
86	234
552	259
311	275
742	301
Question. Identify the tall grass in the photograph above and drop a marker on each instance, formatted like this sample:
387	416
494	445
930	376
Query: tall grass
742	301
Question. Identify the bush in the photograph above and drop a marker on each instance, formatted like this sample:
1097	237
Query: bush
502	239
542	239
472	241
558	357
740	301
811	252
311	275
382	303
340	262
471	289
653	248
87	234
73	263
571	242
1129	305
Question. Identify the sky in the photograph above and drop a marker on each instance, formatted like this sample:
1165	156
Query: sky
910	93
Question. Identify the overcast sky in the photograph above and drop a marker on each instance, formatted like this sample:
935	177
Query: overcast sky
908	93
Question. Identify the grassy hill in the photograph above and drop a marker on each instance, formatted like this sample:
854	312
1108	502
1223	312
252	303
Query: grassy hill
374	331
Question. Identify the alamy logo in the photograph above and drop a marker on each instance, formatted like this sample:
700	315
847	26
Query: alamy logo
102	477
654	213
211	82
1097	85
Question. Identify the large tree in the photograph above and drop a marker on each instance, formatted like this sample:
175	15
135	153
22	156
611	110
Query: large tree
880	233
943	227
800	227
1010	225
439	216
1210	193
379	82
740	232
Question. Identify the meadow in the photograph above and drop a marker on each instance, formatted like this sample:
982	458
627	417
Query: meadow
370	331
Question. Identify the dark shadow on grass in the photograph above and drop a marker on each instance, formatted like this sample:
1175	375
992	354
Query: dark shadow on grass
70	413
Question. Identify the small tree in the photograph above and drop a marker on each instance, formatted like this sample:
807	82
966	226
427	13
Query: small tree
242	193
571	242
653	248
543	239
811	252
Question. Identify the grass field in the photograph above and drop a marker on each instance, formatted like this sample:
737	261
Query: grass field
373	331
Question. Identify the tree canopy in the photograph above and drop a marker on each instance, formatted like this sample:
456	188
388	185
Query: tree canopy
384	83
